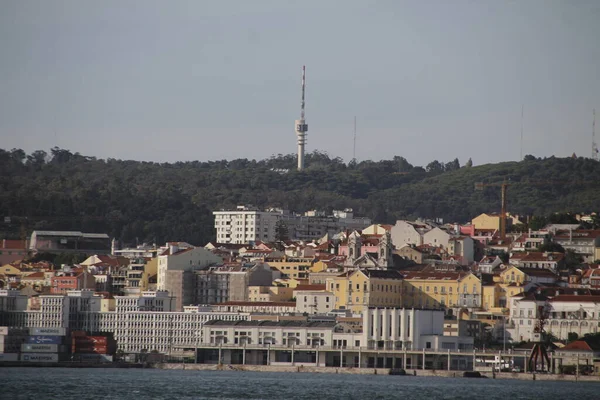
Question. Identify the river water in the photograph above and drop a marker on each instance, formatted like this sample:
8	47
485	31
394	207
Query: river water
141	384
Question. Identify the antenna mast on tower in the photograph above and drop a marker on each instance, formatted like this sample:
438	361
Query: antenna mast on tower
594	145
354	146
522	111
301	126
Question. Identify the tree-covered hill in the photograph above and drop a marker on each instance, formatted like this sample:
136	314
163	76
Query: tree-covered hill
148	201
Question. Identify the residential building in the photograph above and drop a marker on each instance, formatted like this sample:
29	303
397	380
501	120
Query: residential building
552	261
314	299
437	237
291	267
407	232
313	225
219	284
179	258
410	252
270	293
489	221
245	225
451	290
159	301
12	250
361	288
585	242
565	311
67	281
462	247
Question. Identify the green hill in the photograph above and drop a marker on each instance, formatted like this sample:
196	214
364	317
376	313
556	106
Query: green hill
148	201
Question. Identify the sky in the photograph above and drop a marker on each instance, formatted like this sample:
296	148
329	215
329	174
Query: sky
201	80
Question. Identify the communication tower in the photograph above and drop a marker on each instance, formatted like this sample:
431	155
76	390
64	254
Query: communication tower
301	126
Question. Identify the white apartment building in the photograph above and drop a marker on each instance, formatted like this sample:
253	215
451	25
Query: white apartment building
314	301
565	313
245	225
159	301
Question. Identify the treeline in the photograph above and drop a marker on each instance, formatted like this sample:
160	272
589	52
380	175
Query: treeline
153	202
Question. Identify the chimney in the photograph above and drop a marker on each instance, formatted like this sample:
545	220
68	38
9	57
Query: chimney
3	243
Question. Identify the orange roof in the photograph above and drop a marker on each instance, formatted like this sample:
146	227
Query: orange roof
35	275
577	298
577	345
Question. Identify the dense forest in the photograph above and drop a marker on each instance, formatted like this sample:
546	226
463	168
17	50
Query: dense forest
154	202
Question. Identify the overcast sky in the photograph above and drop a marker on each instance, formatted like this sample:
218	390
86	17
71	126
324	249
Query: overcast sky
205	80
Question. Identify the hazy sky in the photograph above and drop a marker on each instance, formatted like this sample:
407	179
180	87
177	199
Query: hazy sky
204	80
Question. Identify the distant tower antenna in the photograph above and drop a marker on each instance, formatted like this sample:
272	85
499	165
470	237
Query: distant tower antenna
522	111
354	146
594	145
301	126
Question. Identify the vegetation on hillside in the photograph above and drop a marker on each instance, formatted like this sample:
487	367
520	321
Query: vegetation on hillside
153	202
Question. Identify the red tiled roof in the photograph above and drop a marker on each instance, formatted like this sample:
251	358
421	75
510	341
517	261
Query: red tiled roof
577	298
538	257
434	275
577	345
35	275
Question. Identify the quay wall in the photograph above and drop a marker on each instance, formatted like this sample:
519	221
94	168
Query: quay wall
375	371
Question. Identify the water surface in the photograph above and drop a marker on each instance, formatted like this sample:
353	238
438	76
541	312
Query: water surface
141	384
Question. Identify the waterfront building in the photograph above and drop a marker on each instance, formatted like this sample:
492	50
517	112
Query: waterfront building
566	311
383	340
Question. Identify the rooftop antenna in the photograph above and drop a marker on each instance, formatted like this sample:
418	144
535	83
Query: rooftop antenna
354	146
301	126
594	145
522	111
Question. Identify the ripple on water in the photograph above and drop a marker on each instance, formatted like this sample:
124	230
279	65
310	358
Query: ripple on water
125	384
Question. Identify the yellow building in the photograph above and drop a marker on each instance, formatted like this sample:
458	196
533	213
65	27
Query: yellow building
489	221
442	290
270	293
8	269
297	268
513	275
491	294
150	269
361	288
